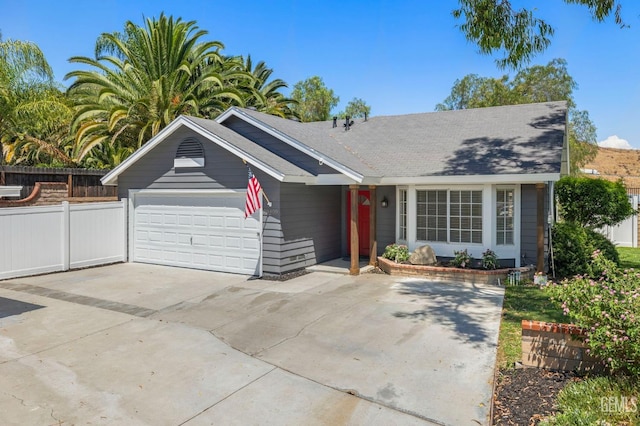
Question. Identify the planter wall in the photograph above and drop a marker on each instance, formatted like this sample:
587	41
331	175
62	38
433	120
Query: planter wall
556	347
440	273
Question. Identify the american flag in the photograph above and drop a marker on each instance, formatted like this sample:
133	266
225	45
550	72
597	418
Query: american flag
253	195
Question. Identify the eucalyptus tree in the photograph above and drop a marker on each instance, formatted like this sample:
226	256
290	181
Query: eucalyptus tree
519	33
143	78
314	100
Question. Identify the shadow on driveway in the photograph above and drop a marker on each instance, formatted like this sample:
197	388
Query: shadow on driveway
10	307
459	307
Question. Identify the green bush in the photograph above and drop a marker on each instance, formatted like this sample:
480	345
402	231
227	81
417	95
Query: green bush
397	252
490	259
591	202
461	259
573	246
606	303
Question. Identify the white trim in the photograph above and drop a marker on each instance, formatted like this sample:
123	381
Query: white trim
188	162
507	250
234	111
469	179
332	179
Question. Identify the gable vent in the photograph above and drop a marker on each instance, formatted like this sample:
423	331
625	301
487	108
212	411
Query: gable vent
189	154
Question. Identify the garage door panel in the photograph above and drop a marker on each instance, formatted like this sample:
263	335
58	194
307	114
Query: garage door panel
199	232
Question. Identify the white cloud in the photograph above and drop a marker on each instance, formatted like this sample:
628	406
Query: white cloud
615	142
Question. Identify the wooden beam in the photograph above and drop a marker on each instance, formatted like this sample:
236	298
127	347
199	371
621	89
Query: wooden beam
69	185
373	238
540	226
354	244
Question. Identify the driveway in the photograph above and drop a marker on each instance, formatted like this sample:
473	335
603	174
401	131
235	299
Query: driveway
141	344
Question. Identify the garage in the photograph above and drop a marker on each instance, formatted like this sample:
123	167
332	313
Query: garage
195	230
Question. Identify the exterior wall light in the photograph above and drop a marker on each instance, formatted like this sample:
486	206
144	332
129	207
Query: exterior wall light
384	203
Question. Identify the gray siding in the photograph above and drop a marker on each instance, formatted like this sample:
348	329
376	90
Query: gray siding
309	230
386	217
276	146
528	225
155	170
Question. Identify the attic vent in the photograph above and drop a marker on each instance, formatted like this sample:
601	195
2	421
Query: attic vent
189	154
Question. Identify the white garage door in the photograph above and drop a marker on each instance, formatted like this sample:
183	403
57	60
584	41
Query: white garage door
201	232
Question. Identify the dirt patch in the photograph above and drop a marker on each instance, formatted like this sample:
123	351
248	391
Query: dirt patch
526	396
613	164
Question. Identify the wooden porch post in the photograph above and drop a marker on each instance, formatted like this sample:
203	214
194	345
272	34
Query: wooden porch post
540	226
373	237
353	223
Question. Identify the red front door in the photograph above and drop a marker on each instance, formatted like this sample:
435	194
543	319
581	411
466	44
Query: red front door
364	203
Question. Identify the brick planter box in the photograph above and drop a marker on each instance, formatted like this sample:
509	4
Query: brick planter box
556	347
441	273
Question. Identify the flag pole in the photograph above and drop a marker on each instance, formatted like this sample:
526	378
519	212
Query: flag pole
261	190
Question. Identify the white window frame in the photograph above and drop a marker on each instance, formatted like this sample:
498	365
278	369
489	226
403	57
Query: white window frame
400	213
489	234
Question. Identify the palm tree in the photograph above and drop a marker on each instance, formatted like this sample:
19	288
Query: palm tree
264	95
28	96
144	78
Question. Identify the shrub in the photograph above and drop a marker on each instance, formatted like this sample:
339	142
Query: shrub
606	303
461	259
593	202
573	246
396	252
490	260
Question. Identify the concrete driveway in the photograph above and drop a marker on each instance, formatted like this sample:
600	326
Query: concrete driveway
139	344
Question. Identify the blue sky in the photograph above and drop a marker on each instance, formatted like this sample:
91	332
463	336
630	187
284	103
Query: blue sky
400	57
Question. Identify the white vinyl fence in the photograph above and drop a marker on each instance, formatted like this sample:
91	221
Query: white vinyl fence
625	234
36	240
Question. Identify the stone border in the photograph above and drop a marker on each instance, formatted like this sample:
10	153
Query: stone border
440	273
556	347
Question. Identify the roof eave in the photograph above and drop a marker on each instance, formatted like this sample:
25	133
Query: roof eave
337	166
468	179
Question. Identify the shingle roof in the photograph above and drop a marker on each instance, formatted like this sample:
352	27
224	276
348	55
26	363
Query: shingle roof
515	139
251	148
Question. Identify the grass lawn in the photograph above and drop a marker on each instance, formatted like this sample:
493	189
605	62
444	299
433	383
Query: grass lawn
522	302
529	302
629	257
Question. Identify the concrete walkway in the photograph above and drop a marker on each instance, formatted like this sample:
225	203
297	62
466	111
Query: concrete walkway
137	344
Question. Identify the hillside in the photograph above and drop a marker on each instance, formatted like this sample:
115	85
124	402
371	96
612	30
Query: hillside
612	164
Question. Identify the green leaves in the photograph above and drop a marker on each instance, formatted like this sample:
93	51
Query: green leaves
539	83
314	100
592	203
495	27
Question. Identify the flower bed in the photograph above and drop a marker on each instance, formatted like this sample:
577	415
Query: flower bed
443	273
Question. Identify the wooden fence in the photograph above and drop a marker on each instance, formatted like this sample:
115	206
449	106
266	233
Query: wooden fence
81	182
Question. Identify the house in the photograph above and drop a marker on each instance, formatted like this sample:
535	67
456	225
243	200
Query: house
468	179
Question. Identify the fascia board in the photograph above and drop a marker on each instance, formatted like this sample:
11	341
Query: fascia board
496	179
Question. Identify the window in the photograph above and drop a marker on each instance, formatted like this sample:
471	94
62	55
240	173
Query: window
449	216
465	221
402	232
431	209
504	216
